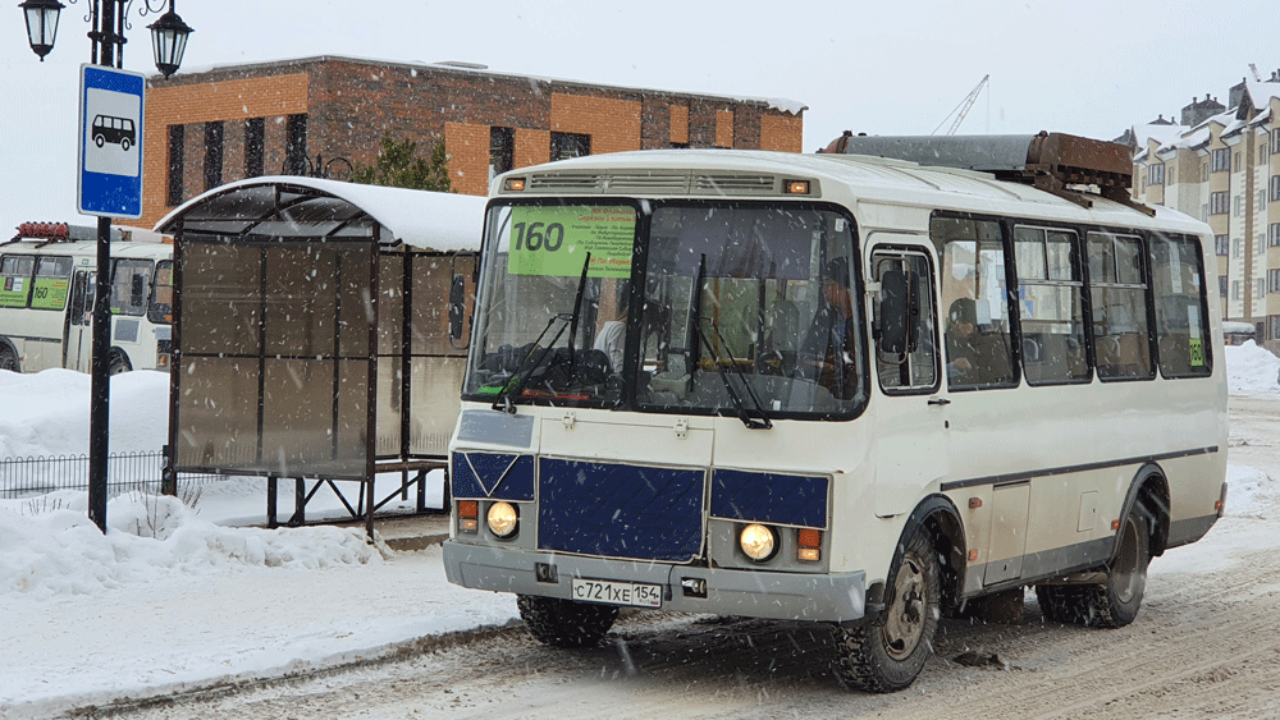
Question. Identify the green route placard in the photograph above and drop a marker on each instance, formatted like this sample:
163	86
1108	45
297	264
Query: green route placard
554	240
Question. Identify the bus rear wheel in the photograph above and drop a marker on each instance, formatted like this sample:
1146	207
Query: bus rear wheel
565	623
888	653
1115	602
9	360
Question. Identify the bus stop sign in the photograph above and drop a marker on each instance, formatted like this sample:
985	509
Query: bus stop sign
110	142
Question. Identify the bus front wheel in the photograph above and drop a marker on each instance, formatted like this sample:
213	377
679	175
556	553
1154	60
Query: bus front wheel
119	363
9	360
565	623
888	653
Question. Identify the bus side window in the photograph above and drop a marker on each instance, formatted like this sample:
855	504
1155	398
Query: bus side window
1051	313
1117	283
16	280
917	369
1181	323
979	349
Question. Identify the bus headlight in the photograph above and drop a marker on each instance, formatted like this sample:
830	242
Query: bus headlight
758	542
502	519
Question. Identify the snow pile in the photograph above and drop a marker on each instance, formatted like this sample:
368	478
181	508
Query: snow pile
1250	492
1251	370
48	413
48	546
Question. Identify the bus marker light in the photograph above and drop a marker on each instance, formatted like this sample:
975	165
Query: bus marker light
975	503
513	184
1115	524
973	555
809	554
797	187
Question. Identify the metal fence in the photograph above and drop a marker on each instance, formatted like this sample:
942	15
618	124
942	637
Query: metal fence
24	477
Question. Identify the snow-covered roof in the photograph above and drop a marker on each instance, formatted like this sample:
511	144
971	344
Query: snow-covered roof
443	222
781	104
1261	93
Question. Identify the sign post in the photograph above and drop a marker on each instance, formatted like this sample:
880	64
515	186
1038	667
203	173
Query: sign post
109	185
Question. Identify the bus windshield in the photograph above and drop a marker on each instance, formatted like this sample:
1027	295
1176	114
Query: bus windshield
738	309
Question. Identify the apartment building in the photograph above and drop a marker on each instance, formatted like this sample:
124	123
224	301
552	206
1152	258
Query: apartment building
1221	163
295	117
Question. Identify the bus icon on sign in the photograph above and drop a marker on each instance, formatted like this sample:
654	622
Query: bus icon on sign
112	129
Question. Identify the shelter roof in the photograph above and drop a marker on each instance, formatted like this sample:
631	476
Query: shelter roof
289	206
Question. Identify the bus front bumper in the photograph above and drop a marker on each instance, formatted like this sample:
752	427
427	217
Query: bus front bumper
836	597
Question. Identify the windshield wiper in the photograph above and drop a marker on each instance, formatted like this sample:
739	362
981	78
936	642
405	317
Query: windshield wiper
515	385
764	422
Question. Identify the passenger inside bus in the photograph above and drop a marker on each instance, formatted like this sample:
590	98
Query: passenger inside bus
613	337
961	338
828	347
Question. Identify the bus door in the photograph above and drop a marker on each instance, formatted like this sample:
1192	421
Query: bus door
79	333
910	412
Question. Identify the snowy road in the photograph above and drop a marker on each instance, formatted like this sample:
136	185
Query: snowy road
1206	644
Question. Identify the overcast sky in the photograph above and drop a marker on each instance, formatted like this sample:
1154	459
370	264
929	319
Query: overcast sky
1086	67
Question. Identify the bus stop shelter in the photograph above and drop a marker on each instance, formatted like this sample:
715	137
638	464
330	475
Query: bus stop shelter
312	333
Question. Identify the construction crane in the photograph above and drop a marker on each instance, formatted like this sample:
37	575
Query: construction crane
1253	67
963	108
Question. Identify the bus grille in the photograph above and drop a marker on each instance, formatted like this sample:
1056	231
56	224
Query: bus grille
621	511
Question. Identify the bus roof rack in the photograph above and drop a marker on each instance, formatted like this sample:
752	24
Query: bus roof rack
1057	163
46	233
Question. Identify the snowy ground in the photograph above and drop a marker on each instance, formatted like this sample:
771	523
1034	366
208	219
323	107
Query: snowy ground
174	598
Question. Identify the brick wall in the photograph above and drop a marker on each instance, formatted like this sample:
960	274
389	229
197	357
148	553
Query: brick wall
784	133
679	132
193	104
613	123
533	147
468	149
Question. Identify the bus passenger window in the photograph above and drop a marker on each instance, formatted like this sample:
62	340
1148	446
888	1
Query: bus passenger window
1051	314
15	280
1121	345
979	349
1181	323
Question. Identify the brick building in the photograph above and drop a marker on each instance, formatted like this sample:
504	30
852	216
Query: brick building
204	129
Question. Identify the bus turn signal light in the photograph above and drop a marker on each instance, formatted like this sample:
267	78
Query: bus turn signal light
810	544
468	515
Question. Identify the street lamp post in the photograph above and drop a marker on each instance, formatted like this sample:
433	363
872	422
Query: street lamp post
169	34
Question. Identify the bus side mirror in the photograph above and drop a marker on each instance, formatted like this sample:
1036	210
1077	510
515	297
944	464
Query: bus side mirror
896	311
137	290
457	306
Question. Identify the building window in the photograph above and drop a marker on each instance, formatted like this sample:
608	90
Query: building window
1273	281
1237	168
212	155
1275	140
569	145
680	146
1237	249
1274	321
1259	291
295	149
1222	286
502	146
254	147
1237	204
1156	174
1222	245
1275	187
177	149
1221	160
1204	172
1274	233
1235	289
1204	212
1262	153
1262	200
1219	203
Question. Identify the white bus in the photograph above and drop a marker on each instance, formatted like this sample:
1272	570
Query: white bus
48	272
853	390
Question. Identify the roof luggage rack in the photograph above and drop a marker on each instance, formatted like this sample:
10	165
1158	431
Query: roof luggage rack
1056	163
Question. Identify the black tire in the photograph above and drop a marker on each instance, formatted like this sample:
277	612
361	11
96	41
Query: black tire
124	144
887	654
119	363
99	140
1112	604
8	360
565	623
